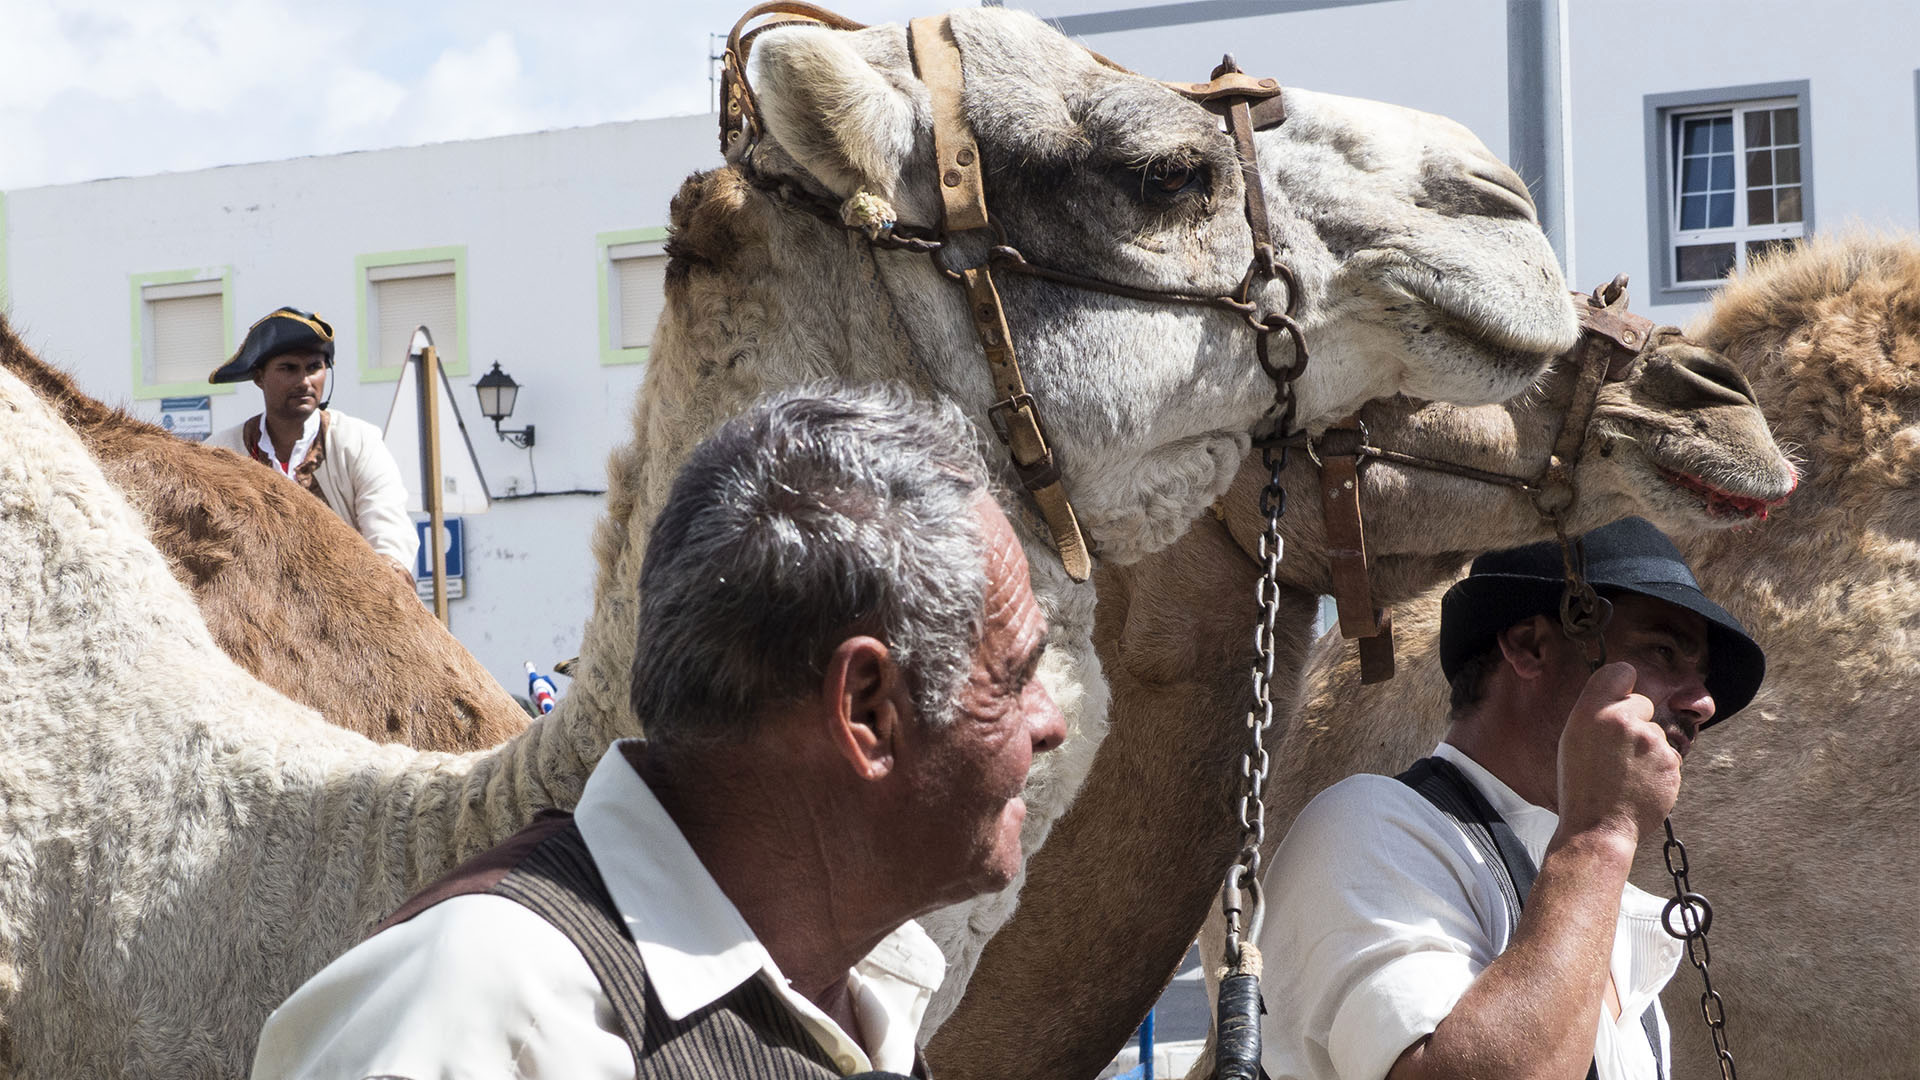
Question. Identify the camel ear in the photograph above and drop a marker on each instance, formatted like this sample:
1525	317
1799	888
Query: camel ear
833	111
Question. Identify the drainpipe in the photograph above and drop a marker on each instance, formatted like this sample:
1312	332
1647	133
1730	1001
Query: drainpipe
1540	115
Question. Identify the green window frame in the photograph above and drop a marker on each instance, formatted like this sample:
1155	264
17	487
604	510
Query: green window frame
454	363
609	246
145	388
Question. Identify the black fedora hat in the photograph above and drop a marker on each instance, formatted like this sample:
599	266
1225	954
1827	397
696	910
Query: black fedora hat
282	331
1628	556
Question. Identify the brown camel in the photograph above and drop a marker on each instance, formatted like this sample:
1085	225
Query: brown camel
1114	898
1800	815
289	591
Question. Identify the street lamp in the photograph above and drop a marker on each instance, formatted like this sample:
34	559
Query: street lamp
497	392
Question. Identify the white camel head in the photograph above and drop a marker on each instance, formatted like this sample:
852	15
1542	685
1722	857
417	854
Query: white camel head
1420	263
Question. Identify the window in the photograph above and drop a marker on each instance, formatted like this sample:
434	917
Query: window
1737	189
1731	182
633	276
402	290
181	322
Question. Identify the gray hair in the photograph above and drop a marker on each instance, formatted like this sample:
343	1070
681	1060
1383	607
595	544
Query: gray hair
820	513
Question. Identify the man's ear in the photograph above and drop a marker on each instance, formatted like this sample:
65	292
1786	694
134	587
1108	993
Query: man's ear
869	705
833	111
1527	646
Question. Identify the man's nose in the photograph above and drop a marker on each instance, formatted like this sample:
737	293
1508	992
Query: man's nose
1049	726
1696	701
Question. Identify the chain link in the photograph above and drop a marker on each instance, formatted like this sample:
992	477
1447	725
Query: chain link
1696	915
1241	894
1584	615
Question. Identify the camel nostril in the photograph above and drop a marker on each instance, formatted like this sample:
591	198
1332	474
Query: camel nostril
1712	376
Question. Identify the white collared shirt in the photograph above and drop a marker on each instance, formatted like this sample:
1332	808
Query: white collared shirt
1380	914
479	986
308	432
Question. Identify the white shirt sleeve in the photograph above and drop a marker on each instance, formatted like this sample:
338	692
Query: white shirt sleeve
1376	924
379	494
475	988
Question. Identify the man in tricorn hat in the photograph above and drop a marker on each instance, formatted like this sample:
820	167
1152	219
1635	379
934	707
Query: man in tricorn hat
341	460
1472	917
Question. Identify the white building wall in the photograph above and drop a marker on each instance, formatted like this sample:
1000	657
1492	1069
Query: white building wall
1858	56
527	208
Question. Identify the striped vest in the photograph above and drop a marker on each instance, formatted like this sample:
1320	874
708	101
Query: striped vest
748	1033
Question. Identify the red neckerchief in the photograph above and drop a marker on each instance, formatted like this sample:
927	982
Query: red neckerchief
303	473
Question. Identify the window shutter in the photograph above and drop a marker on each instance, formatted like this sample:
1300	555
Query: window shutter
642	281
189	338
402	303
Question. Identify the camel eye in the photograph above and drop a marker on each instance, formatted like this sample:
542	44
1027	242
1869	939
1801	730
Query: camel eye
1167	178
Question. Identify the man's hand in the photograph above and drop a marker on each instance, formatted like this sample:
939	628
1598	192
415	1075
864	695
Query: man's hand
1617	772
405	571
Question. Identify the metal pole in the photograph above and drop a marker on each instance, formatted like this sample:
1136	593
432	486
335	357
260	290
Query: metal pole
430	474
1540	114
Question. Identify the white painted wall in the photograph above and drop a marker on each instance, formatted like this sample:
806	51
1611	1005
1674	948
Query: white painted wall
1859	57
527	208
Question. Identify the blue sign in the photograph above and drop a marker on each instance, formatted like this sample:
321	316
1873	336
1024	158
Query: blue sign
454	536
190	418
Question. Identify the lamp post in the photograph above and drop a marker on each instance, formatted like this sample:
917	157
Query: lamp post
498	392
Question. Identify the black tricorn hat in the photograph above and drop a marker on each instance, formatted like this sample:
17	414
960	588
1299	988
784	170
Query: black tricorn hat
283	331
1631	556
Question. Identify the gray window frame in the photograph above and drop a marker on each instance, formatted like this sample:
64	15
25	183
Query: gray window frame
1659	153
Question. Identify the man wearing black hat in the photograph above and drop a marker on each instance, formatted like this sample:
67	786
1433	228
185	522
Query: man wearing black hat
341	460
1472	917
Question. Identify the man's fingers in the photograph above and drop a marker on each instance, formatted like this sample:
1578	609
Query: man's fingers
1613	682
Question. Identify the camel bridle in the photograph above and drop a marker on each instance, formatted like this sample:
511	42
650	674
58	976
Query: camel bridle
1247	105
1613	341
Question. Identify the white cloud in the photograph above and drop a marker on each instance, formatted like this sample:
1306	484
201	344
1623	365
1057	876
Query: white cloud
472	93
358	102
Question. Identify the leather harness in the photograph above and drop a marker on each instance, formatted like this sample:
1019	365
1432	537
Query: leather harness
1247	104
1612	342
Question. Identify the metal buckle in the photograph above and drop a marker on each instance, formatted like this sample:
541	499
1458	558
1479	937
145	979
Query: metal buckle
997	416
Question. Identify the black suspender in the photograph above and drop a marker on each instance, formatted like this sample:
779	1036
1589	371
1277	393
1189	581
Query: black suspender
1440	783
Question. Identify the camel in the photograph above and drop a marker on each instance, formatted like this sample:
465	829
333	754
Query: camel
173	870
285	586
1800	814
1139	857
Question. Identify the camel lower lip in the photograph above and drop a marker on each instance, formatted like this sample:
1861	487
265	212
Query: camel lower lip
1720	502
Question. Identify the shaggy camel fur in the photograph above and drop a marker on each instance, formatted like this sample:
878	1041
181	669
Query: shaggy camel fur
245	847
1138	859
289	591
1800	814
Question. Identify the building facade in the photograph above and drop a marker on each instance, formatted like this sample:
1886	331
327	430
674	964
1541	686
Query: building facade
1669	139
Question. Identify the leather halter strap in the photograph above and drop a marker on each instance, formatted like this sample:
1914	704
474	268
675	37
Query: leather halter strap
1612	341
1015	414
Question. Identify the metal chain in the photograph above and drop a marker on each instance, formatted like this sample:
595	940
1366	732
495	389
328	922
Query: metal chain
1584	615
1242	887
1696	915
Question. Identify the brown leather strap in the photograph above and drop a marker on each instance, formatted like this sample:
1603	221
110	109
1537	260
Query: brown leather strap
956	155
1015	415
739	109
1340	452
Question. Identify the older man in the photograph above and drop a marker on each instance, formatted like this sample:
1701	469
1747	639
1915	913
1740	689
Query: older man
1473	917
836	676
342	461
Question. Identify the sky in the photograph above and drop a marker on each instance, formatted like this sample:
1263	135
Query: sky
100	88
